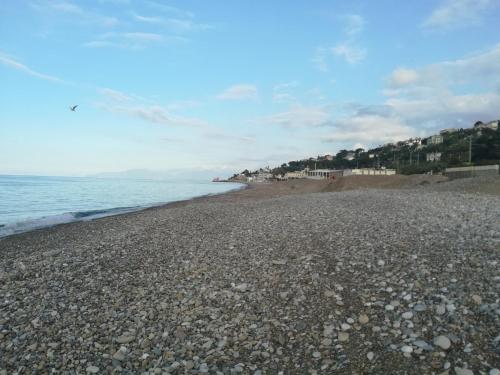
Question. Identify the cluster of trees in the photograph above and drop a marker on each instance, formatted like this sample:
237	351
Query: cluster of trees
482	146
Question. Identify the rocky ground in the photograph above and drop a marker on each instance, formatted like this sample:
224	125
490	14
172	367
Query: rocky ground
354	282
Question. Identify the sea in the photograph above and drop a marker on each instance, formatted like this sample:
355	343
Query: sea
33	202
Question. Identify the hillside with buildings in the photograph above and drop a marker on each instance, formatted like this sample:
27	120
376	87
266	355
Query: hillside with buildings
478	145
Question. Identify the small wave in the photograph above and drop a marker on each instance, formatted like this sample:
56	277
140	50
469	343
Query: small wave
104	212
69	217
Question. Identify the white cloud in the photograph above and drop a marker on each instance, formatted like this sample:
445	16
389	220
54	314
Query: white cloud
453	14
12	63
299	117
350	53
369	129
239	92
433	96
403	76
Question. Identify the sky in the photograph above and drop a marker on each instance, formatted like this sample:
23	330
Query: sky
229	85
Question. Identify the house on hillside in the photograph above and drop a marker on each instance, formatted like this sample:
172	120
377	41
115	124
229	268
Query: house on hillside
493	125
448	131
350	156
434	139
433	156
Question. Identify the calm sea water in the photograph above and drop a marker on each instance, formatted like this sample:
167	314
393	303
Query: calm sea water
30	202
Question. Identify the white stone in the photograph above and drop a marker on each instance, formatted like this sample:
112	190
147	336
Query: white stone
242	288
477	299
124	339
328	330
494	371
363	319
389	307
203	368
345	327
370	356
440	309
407	315
343	336
463	371
93	369
406	349
443	342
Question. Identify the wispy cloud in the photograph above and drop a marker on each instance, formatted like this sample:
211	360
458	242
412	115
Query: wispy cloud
14	64
77	12
132	40
347	49
175	25
283	92
168	9
319	59
452	14
239	92
354	24
224	137
350	53
114	95
157	115
134	106
299	116
147	19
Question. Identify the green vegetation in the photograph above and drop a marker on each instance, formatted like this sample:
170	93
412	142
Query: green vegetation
411	156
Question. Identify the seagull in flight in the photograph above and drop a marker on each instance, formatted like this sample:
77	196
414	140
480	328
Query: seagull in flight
73	108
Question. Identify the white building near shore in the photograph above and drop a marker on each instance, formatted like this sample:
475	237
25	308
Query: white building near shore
320	174
369	172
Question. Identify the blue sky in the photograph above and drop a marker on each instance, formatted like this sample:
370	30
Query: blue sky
230	85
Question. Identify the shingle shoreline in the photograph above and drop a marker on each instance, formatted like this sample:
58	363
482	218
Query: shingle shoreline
368	281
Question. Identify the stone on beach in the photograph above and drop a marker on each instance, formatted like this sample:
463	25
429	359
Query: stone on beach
443	342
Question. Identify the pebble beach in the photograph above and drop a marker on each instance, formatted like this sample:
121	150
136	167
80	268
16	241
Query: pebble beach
277	279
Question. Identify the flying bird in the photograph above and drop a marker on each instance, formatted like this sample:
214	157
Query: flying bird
73	108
